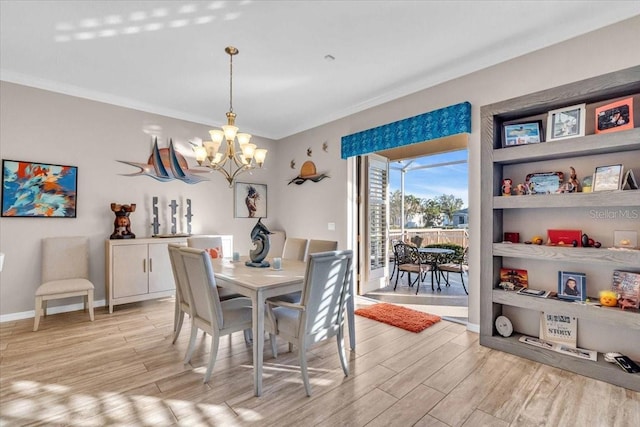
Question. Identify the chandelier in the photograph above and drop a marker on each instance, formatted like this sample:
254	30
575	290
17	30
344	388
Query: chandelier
230	162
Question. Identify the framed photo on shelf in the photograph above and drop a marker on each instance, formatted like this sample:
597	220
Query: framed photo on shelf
250	200
627	285
522	133
566	122
615	116
544	182
519	278
607	178
572	286
31	189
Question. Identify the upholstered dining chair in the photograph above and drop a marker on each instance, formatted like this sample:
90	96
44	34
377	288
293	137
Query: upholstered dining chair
276	243
210	314
213	246
320	246
320	313
183	293
408	260
65	273
457	265
295	248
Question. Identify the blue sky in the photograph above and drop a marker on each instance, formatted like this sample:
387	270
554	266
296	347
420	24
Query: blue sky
433	182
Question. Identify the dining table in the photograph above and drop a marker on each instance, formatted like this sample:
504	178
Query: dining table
435	257
262	283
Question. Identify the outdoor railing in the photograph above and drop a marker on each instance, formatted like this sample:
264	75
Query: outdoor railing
458	236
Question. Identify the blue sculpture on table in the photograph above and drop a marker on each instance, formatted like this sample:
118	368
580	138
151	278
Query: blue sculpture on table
260	238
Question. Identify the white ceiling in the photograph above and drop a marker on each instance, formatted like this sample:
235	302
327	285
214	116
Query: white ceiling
168	57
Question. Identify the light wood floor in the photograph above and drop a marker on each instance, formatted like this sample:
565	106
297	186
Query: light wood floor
123	370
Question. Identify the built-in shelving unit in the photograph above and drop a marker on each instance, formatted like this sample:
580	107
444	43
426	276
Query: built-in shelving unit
494	209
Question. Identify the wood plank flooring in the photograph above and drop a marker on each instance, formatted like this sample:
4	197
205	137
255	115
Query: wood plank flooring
122	369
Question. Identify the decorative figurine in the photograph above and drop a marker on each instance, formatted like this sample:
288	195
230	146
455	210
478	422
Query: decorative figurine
506	186
155	224
260	238
122	223
189	215
520	190
173	207
573	179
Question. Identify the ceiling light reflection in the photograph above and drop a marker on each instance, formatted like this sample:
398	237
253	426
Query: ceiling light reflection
203	20
89	23
85	35
154	26
131	30
178	23
64	26
113	20
159	13
138	16
188	8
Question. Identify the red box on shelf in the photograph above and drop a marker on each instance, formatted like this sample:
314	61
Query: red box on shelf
564	237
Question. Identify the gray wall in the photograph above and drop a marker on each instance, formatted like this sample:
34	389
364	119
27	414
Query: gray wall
43	126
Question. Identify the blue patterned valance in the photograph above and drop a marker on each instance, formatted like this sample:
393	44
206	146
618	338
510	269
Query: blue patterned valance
451	120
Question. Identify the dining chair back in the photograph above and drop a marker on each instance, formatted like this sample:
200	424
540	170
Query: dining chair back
320	313
276	241
209	314
212	244
183	303
320	246
65	273
295	248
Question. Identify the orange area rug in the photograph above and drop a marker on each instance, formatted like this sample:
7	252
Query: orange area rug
402	317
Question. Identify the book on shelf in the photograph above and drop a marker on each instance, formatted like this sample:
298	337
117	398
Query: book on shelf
519	278
627	285
559	328
538	293
580	353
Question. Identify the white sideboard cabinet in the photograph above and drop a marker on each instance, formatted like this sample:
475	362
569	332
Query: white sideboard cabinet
138	270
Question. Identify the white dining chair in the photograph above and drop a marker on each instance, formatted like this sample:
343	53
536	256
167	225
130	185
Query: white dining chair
65	273
320	313
295	248
215	317
276	243
320	246
213	245
183	303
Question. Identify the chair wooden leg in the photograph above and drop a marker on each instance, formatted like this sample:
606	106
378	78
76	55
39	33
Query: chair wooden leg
213	355
178	326
90	304
342	353
303	369
274	345
192	343
38	313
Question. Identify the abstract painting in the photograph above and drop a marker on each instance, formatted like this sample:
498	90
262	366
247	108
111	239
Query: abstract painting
32	189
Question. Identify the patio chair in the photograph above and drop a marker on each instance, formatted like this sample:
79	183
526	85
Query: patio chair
408	259
457	265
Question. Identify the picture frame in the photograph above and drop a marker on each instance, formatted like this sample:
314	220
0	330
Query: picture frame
38	190
572	286
567	122
518	277
544	182
250	200
607	178
615	116
522	133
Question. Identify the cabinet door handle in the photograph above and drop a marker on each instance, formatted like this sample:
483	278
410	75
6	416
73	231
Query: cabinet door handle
144	265
150	265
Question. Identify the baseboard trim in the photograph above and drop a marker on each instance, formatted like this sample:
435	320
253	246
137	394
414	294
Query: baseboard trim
50	310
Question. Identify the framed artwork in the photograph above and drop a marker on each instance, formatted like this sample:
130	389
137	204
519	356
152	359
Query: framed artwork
31	189
519	278
544	182
522	133
572	286
566	122
615	116
607	178
250	200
